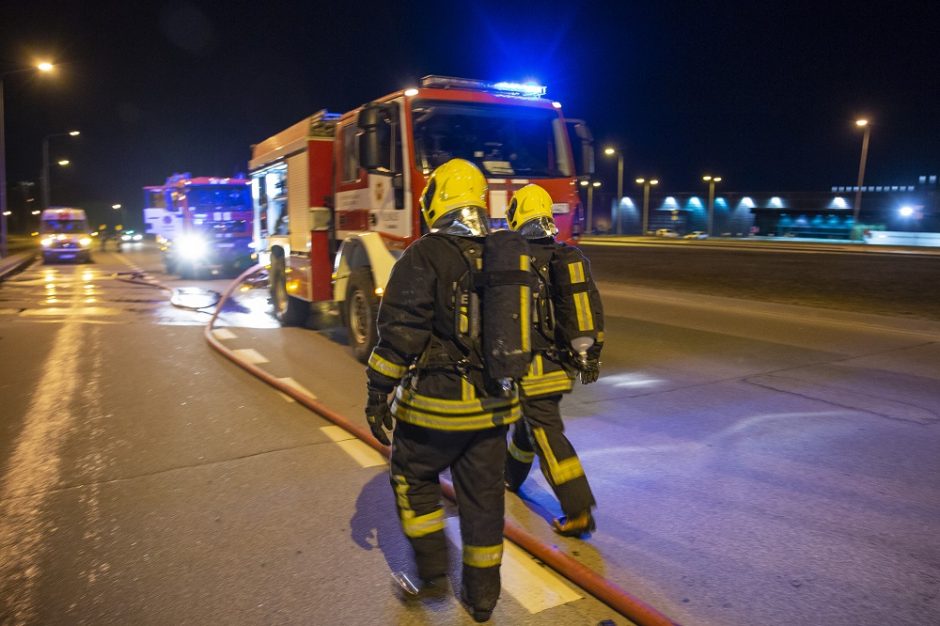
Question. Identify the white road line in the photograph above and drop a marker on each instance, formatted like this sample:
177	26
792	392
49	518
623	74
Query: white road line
223	333
531	584
250	355
363	454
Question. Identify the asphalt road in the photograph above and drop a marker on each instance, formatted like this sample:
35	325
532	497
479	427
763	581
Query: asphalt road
754	463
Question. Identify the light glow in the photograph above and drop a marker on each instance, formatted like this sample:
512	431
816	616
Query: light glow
411	92
523	89
654	181
64	162
192	247
45	66
861	123
556	104
609	151
640	181
906	211
74	133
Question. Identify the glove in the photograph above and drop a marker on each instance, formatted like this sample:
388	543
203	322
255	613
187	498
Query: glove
589	369
379	415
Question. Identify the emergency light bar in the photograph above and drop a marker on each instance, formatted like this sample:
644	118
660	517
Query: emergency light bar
530	90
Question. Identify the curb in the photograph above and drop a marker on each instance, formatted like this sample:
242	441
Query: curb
15	262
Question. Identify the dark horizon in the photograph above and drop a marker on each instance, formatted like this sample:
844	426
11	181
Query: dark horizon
762	94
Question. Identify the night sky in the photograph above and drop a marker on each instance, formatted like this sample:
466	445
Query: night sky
762	93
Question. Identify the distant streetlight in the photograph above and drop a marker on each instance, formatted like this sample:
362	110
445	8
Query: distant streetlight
611	151
46	193
44	67
712	181
115	206
856	208
646	200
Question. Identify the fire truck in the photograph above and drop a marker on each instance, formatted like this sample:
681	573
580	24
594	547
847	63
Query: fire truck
336	195
203	224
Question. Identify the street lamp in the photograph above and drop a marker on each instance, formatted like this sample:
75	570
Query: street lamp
861	123
646	200
45	67
611	151
712	181
46	196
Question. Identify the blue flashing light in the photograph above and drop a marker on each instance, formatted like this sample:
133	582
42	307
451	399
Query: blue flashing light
520	89
906	211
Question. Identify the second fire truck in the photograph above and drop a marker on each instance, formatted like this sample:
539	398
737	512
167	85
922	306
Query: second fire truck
336	196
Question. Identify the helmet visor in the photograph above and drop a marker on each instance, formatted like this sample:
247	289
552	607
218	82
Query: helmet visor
539	228
469	221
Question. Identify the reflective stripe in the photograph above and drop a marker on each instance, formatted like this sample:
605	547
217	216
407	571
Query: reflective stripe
583	307
600	336
576	272
453	407
401	494
422	525
520	455
483	556
525	297
415	525
536	367
553	382
386	367
467	390
442	422
563	471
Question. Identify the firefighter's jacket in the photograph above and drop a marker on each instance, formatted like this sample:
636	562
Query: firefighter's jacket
553	368
424	351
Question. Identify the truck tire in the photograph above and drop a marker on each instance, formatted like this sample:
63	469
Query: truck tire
362	306
288	310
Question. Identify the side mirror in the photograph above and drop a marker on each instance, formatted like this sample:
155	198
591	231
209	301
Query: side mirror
368	122
580	133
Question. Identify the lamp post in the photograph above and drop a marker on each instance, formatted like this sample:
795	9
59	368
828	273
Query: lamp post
861	123
610	151
712	181
646	200
42	67
46	195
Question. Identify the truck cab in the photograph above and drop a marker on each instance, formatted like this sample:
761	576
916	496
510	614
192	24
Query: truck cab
337	196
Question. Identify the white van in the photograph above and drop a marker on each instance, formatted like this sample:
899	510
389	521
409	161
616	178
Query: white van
64	235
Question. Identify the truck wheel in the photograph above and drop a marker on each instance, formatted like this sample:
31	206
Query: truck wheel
362	307
288	310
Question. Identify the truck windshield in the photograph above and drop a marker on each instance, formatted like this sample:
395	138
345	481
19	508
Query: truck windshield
219	196
63	226
503	140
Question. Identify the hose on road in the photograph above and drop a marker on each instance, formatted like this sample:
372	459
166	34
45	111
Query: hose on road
582	576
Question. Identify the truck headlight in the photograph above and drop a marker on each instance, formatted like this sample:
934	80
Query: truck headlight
47	241
84	242
191	247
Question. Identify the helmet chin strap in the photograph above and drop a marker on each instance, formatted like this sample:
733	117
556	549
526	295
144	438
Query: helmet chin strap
469	221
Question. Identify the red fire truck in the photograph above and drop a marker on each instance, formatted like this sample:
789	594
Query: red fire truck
202	223
336	196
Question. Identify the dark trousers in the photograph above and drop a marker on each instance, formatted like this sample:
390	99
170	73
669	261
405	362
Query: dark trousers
475	459
542	432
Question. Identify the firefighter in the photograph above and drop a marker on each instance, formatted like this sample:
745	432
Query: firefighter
555	362
448	414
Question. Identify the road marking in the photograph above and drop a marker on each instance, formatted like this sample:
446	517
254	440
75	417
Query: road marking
71	311
224	333
362	453
250	355
531	584
290	382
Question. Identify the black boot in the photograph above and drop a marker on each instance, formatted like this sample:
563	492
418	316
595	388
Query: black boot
479	591
575	526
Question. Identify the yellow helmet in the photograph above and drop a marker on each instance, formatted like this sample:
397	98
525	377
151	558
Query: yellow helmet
454	185
530	211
